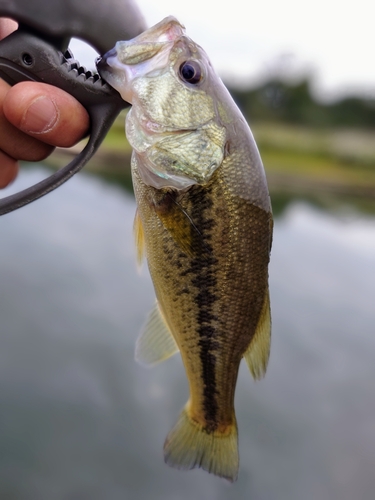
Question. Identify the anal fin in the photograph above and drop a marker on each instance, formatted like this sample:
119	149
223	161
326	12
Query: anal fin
155	343
258	352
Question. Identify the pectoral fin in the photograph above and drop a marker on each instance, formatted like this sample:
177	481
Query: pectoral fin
155	343
180	226
258	351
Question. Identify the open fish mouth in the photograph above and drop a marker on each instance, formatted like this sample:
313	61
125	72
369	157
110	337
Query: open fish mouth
147	53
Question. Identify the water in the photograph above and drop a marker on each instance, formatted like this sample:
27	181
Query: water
80	420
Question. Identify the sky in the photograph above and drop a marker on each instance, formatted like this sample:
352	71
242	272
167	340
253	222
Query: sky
247	42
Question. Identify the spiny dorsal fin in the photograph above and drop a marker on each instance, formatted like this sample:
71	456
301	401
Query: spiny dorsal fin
155	343
258	351
189	445
139	238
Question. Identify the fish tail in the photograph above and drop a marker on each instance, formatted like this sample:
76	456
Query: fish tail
189	445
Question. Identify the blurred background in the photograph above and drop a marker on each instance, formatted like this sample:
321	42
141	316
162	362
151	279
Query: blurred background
79	419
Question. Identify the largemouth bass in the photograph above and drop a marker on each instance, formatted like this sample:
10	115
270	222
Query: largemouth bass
204	222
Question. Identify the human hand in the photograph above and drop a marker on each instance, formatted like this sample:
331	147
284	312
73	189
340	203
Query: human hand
34	118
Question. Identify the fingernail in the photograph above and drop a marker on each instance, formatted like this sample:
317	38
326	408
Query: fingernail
40	117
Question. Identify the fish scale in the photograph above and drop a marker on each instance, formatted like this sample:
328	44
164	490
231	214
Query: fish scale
211	274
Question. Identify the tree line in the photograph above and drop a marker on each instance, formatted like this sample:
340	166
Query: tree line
277	100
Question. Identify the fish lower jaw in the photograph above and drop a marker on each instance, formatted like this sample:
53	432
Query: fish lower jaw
176	158
150	127
142	132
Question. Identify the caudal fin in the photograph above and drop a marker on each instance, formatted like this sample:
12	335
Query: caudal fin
189	446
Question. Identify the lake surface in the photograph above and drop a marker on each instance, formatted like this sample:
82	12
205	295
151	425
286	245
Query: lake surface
80	420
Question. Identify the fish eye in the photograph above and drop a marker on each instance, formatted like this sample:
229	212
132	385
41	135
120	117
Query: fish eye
190	72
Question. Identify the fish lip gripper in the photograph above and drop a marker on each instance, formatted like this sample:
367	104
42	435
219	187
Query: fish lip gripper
38	51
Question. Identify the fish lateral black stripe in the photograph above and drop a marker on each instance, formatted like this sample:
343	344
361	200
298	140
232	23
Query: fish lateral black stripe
204	280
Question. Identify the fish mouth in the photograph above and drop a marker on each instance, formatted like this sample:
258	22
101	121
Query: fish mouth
102	65
147	53
146	45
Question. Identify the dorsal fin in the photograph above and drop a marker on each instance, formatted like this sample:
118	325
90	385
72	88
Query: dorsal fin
258	352
155	343
139	238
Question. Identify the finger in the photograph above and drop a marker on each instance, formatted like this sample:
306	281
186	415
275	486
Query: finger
8	170
7	26
15	143
46	113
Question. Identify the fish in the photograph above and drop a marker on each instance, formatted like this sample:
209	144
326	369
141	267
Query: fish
204	223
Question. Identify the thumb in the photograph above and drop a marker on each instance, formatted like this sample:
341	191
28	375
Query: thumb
46	113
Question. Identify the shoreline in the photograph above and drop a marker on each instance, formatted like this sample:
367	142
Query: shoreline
112	163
